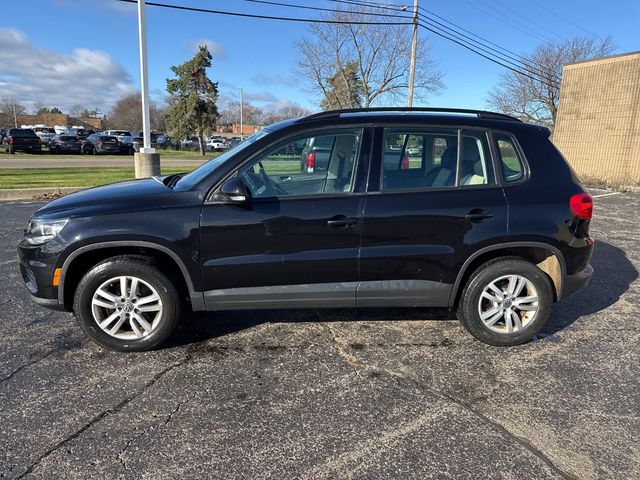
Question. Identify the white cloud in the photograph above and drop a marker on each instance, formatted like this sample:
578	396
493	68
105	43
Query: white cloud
217	52
276	79
87	77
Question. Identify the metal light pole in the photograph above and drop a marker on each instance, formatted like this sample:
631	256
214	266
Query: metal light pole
147	161
241	119
414	47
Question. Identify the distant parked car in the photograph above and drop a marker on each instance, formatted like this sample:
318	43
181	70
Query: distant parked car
189	143
22	139
46	134
123	136
65	144
81	133
216	145
97	144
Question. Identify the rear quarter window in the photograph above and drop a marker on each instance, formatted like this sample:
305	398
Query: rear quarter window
510	159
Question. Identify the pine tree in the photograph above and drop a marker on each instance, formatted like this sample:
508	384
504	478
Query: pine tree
193	97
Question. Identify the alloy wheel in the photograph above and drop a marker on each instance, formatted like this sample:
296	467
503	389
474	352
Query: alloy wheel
126	307
508	304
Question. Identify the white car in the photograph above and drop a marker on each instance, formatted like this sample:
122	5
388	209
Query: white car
215	145
123	136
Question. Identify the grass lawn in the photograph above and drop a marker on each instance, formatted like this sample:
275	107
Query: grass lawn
69	177
165	154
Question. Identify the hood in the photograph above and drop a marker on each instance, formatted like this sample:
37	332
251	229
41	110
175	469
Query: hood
127	195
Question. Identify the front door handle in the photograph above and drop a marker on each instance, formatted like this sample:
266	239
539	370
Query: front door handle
341	221
477	215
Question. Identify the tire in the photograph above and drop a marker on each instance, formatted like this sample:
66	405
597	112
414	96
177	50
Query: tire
531	315
161	315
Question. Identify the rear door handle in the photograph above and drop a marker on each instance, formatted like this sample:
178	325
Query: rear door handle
477	215
341	221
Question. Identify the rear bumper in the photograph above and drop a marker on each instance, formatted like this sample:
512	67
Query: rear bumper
576	282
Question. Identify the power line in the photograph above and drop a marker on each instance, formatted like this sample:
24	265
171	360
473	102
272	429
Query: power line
531	69
479	50
491	59
481	40
321	9
264	17
524	66
522	28
382	6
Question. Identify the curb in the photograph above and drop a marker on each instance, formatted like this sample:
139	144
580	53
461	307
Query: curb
37	193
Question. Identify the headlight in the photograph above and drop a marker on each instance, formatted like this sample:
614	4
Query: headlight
40	231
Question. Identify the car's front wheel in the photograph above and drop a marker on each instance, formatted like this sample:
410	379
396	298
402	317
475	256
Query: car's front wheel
506	301
127	304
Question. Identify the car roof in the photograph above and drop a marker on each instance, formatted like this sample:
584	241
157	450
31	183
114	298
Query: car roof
445	117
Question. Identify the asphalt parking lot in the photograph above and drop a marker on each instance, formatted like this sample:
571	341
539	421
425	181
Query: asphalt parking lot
390	393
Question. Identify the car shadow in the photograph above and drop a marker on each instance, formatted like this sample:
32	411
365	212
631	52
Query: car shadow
613	275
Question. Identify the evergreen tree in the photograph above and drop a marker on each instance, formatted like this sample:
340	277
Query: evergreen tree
193	96
344	89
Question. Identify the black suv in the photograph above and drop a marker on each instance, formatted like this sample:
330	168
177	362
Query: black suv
471	210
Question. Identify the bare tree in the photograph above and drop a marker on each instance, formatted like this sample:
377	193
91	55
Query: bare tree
10	111
537	101
230	113
380	53
284	113
127	114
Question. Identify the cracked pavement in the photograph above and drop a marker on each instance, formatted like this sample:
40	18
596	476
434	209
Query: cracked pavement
376	393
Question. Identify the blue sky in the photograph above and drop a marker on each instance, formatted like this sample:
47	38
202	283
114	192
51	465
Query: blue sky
86	51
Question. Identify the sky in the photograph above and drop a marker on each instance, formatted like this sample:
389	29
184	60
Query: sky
67	52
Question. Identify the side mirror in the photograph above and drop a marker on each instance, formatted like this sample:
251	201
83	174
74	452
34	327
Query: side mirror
232	191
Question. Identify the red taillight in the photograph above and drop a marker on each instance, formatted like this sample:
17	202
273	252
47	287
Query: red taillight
311	162
405	163
582	205
10	140
99	142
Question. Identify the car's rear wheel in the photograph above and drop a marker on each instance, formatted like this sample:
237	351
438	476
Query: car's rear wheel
127	304
506	301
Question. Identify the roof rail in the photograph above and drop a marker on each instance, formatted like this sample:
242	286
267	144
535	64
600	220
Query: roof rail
479	113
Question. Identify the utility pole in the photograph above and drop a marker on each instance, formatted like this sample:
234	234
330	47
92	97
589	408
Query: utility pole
147	161
241	119
414	47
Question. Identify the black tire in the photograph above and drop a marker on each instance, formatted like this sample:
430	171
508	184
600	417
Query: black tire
127	266
468	306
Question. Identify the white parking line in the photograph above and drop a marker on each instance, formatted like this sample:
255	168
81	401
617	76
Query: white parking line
607	194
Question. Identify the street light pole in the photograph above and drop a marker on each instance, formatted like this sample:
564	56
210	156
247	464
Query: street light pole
241	119
146	161
414	47
144	80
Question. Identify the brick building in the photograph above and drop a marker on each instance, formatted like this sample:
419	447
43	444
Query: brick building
53	119
598	122
234	128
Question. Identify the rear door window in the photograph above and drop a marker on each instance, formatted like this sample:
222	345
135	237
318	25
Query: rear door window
429	159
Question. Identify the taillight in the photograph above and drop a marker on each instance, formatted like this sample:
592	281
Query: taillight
582	205
311	162
405	162
10	140
99	142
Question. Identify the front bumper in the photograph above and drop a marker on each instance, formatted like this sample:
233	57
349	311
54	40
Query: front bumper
37	266
576	282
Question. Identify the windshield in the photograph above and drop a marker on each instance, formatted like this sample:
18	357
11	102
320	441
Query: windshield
192	178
